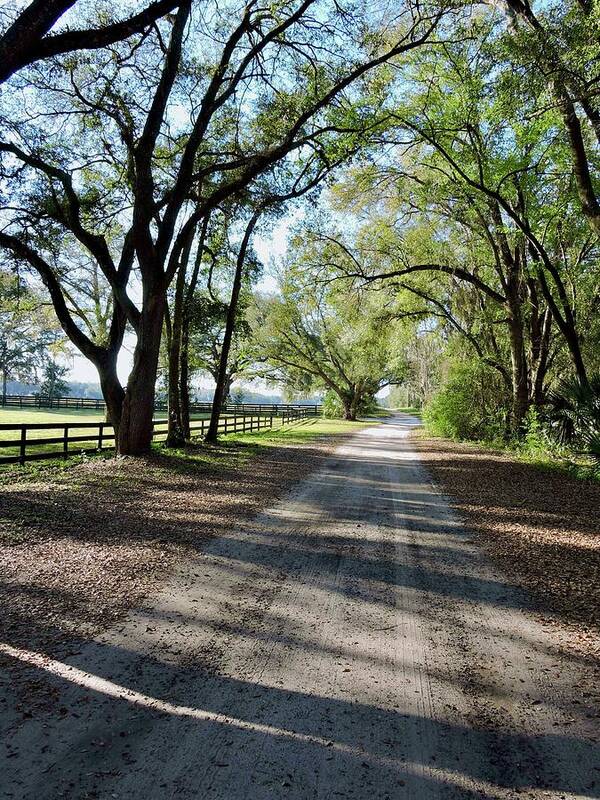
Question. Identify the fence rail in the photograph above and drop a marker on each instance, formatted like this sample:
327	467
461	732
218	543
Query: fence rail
94	436
93	404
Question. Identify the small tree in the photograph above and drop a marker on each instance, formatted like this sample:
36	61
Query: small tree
237	396
54	385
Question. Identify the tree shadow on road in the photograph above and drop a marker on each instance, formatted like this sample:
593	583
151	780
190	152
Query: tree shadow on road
144	720
140	727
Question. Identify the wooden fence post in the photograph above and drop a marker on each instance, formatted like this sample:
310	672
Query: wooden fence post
23	444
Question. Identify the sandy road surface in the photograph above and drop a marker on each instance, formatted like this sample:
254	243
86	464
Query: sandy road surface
353	642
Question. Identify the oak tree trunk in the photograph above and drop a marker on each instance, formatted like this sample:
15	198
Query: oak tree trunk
135	434
219	395
184	379
519	373
349	403
175	434
112	391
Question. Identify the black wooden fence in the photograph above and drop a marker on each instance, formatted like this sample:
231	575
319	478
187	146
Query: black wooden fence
93	404
90	437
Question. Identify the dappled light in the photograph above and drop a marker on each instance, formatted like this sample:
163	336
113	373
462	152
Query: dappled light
300	400
310	649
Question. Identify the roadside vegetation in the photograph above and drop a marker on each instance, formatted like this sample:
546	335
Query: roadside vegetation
562	435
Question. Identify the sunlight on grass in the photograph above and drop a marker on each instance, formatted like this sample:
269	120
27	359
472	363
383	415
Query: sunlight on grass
300	432
238	448
27	416
230	452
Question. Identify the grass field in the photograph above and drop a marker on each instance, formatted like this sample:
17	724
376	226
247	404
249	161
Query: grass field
18	416
231	449
32	416
301	432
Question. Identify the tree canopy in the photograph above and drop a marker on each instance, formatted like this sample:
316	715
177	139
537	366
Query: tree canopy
442	158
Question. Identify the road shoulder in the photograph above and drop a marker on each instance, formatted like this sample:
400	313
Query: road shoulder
539	526
82	546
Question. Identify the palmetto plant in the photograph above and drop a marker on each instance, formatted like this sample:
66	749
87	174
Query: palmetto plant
575	415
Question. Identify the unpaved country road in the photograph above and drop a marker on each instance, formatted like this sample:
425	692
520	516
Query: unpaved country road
353	642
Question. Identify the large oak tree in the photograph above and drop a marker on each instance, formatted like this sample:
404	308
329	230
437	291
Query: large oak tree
147	154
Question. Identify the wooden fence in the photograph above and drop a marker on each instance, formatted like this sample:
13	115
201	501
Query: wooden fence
93	404
90	437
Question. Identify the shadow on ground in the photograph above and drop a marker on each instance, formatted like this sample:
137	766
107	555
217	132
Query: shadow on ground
540	525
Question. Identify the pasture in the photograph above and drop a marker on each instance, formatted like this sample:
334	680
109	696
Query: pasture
33	434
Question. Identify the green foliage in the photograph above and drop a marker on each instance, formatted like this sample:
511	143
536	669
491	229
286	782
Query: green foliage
320	336
207	328
468	406
29	333
575	416
332	406
464	189
535	438
474	228
237	395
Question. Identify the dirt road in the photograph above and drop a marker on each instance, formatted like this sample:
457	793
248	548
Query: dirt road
353	642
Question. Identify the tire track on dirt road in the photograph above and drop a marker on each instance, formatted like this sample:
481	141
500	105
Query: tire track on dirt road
353	642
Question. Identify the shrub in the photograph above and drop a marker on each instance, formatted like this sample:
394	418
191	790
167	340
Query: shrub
472	404
537	440
575	416
332	406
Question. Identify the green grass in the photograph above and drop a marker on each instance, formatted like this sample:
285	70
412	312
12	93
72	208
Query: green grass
58	417
415	412
231	451
380	412
299	432
567	463
570	463
20	416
